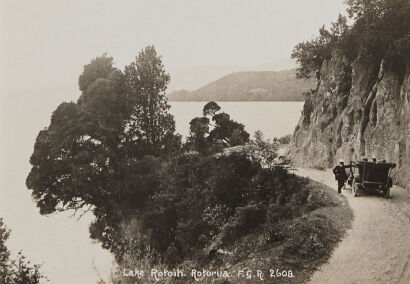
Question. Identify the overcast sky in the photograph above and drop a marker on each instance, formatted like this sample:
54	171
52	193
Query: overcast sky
46	43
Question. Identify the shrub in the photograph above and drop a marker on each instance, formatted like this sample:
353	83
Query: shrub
311	237
216	217
285	139
262	150
202	199
19	270
244	221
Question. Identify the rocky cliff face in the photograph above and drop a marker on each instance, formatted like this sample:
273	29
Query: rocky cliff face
358	110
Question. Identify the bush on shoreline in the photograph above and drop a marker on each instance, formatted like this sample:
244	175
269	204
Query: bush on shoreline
158	202
18	270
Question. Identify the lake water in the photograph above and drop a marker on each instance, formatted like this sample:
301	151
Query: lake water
63	243
274	119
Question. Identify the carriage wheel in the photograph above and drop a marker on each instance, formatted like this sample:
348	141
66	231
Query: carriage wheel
355	189
386	192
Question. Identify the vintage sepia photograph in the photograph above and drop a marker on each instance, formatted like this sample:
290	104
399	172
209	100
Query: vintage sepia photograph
204	141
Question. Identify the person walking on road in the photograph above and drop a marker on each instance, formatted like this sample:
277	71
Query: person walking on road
340	175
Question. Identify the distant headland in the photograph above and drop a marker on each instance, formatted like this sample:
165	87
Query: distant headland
250	86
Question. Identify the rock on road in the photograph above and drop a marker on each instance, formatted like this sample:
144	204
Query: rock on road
377	247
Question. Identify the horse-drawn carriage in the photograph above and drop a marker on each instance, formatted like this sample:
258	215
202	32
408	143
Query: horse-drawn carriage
371	176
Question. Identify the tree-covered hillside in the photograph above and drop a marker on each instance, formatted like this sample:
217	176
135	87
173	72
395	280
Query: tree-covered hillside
250	86
381	30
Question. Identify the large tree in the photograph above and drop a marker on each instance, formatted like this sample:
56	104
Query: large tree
105	151
79	154
145	85
206	137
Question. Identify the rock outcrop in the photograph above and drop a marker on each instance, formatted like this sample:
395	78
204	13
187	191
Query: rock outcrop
359	109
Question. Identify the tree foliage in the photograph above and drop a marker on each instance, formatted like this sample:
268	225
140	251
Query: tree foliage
381	29
145	85
208	135
263	150
19	270
200	195
311	54
211	108
103	153
199	130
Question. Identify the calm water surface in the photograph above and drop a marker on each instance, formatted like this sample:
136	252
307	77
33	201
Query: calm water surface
275	119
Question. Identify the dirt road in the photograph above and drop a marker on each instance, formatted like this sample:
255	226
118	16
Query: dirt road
377	248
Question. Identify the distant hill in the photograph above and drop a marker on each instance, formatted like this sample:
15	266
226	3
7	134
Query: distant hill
249	86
